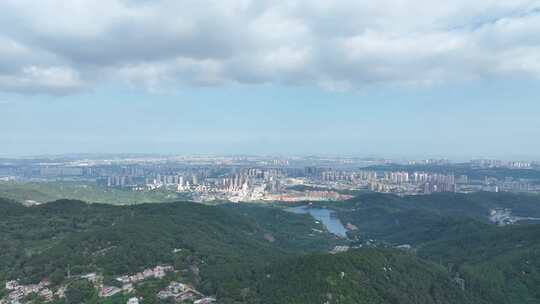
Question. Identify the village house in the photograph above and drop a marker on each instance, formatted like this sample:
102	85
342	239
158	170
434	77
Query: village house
133	301
206	300
109	291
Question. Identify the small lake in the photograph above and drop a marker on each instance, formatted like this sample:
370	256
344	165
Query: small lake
327	217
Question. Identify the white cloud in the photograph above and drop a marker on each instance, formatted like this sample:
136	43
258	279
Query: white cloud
34	79
59	47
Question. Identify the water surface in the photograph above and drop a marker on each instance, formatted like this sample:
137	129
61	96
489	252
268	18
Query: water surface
326	216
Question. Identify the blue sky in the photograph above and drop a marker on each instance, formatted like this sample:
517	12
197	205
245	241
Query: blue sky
400	78
497	119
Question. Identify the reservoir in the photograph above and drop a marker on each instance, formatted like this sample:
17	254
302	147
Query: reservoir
327	217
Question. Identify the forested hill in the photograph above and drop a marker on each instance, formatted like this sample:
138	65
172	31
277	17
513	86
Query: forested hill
501	263
371	276
474	205
417	219
219	242
252	254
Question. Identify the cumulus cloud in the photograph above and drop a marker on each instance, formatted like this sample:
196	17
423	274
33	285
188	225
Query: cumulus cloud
60	47
35	79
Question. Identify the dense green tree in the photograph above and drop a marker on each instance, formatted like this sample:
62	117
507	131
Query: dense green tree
225	250
80	291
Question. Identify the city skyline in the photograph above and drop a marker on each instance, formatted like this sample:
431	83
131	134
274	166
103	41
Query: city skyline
265	179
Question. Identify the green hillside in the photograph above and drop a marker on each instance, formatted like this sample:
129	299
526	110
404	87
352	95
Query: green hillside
501	263
88	192
254	254
418	219
222	242
371	276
